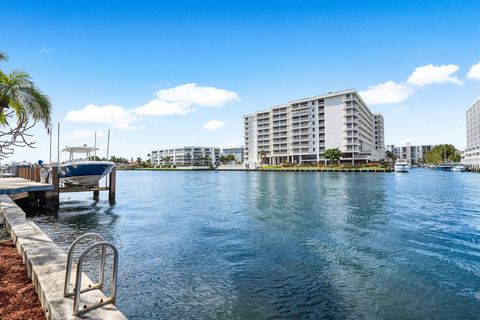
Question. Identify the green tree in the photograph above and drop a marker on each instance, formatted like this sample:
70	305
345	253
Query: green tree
333	154
442	153
21	101
390	156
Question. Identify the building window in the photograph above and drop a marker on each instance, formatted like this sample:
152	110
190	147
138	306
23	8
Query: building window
313	136
313	122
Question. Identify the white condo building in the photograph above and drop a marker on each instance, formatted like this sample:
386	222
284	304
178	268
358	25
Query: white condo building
301	130
415	154
186	156
237	152
471	156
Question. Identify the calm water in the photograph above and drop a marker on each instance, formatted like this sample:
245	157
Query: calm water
236	245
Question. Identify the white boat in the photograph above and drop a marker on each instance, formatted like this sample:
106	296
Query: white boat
458	168
402	166
83	171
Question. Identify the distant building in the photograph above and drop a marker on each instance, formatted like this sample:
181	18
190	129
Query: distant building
471	156
237	152
413	154
394	150
379	133
186	156
301	130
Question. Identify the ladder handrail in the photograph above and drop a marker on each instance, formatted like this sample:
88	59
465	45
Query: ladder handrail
66	287
78	281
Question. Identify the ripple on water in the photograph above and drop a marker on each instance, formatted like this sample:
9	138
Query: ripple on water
258	245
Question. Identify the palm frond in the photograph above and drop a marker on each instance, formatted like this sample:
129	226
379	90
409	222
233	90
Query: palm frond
3	56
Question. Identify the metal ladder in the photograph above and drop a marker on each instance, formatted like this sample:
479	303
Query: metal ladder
77	290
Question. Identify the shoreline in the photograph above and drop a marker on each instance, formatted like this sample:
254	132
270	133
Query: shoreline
274	169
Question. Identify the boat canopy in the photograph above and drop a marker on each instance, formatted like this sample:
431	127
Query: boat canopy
82	150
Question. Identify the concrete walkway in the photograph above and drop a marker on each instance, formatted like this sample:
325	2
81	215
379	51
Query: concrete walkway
46	263
20	185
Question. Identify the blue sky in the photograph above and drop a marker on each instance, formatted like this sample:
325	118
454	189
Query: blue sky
166	69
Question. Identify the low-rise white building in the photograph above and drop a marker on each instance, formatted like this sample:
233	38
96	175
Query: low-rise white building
412	153
186	156
300	131
237	152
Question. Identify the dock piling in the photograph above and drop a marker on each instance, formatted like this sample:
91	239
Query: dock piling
96	193
112	186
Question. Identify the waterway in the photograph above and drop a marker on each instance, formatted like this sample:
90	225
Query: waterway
296	245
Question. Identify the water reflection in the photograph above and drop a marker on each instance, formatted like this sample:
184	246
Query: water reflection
259	245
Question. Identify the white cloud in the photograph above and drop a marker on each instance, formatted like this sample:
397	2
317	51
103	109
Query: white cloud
193	94
213	125
387	92
163	108
474	72
179	100
84	134
418	121
429	74
399	109
182	99
119	117
45	50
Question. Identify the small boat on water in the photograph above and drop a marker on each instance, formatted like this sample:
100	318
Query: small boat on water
402	166
83	171
458	168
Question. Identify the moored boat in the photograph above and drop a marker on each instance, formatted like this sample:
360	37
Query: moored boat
84	171
402	166
458	168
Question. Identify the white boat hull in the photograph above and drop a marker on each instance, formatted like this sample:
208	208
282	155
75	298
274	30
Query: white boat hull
84	173
402	168
89	180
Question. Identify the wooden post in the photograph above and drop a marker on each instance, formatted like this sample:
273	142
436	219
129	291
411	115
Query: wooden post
27	173
96	193
56	187
112	187
37	174
20	172
32	173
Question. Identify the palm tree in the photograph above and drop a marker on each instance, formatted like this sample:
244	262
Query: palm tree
3	56
263	156
18	92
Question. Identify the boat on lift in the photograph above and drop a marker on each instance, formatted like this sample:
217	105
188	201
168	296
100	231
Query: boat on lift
402	166
82	169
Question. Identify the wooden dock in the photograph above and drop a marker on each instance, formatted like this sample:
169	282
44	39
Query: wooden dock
47	195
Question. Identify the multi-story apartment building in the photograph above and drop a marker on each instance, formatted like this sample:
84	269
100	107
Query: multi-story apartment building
301	130
411	153
379	133
186	156
237	152
471	156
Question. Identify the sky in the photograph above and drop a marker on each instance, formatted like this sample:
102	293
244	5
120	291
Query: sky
173	73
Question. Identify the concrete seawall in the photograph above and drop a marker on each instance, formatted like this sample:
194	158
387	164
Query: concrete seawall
46	264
